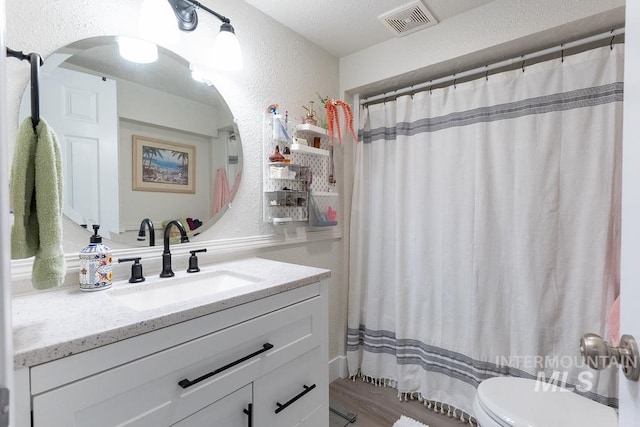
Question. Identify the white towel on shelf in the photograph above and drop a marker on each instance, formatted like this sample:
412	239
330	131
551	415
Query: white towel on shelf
408	422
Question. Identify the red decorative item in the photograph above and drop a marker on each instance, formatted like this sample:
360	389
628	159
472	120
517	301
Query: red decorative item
333	118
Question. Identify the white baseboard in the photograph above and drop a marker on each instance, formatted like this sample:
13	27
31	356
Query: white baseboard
338	368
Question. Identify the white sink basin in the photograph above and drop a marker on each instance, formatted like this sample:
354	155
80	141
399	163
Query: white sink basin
162	292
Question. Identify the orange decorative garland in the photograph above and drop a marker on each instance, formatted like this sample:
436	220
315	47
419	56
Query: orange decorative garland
333	119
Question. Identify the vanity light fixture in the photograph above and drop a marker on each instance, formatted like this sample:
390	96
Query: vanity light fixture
226	49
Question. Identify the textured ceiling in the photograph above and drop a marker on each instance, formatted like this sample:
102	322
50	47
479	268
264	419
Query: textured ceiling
342	27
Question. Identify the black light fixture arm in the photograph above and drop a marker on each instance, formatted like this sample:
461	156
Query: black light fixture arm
213	12
185	11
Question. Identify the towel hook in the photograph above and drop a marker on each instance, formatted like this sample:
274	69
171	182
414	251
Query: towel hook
36	61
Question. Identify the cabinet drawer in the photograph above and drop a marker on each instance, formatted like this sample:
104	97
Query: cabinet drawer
147	391
81	365
293	394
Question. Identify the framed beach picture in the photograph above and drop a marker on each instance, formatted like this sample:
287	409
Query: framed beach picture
163	166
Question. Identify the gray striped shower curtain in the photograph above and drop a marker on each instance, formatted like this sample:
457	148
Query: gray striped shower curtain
485	230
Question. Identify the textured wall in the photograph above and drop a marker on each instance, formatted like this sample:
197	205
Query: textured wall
279	66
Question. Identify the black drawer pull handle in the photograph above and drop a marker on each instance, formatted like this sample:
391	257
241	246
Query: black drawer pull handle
249	413
185	383
282	407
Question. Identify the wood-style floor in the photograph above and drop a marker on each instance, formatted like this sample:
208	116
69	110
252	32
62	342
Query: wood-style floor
380	407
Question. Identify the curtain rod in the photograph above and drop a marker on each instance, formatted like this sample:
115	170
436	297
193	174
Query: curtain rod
485	69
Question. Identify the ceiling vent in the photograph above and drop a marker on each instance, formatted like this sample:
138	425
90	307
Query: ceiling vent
408	18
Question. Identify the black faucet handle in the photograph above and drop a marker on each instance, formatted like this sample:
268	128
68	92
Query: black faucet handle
193	261
136	269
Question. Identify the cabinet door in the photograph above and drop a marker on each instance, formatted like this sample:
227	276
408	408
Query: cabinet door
228	411
295	394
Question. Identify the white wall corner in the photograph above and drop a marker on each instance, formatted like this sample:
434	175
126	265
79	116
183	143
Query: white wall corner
338	368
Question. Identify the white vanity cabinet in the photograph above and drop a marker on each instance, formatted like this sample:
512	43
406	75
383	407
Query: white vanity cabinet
234	367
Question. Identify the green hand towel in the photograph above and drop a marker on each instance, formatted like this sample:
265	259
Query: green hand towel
42	226
49	266
24	234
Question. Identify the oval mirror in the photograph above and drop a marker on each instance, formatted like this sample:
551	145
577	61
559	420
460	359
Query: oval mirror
138	141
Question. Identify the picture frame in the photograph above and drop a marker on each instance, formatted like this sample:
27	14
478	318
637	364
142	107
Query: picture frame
163	166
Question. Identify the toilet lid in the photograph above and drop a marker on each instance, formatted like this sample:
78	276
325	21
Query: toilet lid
521	402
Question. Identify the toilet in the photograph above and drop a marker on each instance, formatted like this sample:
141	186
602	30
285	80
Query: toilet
517	402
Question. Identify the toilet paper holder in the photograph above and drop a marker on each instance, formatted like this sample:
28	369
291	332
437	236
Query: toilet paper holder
598	354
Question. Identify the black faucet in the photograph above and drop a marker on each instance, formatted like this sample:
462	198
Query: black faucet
152	232
166	255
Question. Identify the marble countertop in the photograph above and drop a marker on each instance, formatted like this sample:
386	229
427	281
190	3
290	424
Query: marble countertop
54	324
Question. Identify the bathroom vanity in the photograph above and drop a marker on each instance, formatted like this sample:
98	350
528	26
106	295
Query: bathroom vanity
252	352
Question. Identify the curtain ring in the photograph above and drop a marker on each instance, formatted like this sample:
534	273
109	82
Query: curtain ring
486	74
454	83
611	42
523	65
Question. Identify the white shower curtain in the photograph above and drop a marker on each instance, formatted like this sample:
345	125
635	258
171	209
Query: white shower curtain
485	230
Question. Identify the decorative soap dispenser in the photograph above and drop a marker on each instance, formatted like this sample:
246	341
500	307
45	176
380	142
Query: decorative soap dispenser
95	264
